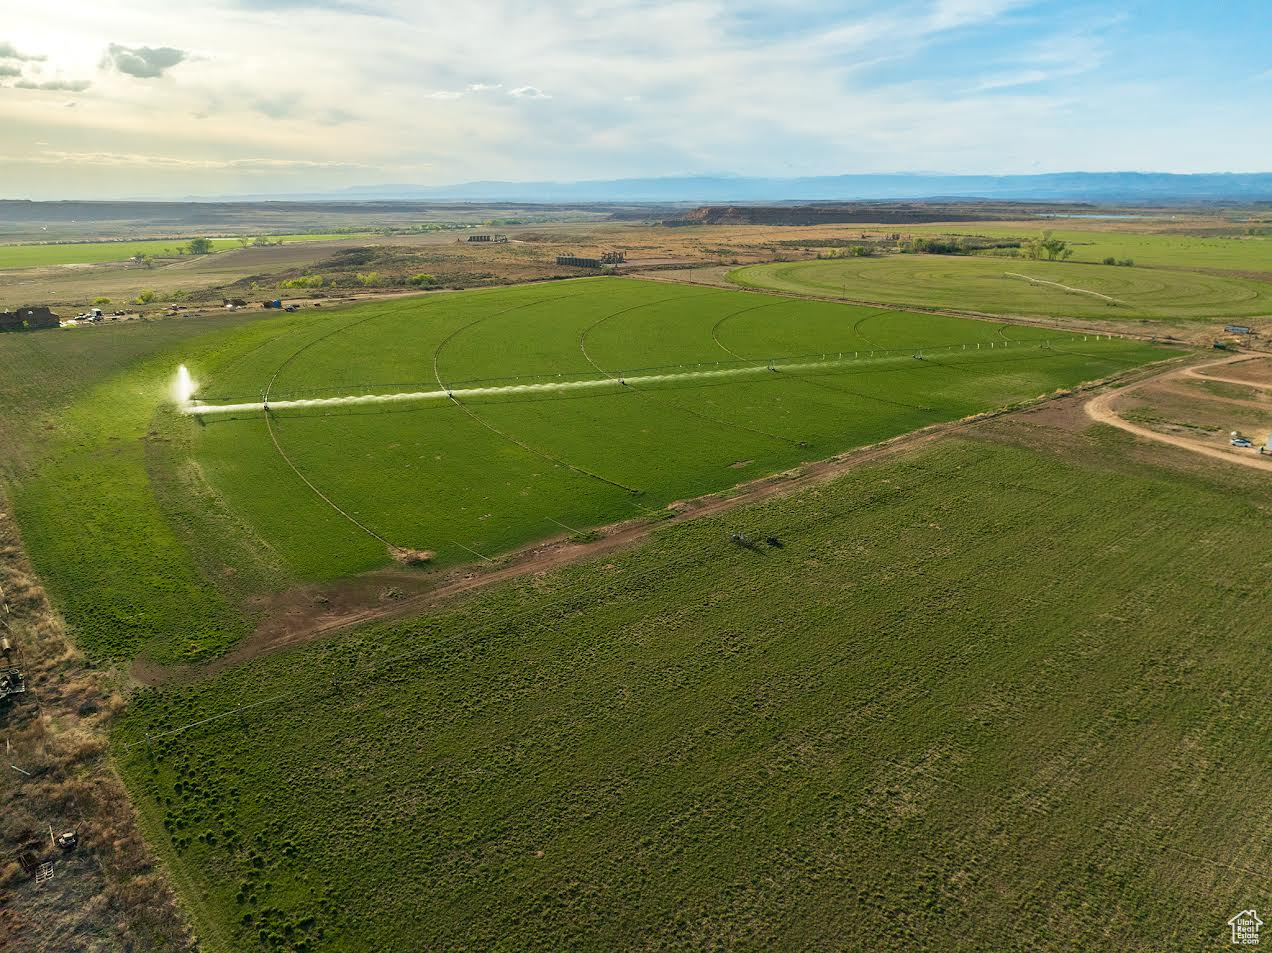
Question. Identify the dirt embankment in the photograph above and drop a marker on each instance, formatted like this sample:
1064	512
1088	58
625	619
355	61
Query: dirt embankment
108	893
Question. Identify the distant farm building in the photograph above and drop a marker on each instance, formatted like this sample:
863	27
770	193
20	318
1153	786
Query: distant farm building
27	319
497	239
609	258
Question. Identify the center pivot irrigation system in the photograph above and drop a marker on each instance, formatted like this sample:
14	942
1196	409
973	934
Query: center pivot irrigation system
184	388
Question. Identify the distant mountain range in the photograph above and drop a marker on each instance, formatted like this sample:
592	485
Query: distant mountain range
1120	187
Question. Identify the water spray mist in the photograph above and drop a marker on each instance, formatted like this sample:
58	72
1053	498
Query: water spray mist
183	387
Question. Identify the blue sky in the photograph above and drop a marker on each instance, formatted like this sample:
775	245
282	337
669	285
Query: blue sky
126	98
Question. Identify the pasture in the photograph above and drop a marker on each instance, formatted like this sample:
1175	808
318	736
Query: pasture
86	470
1017	286
1238	253
489	472
92	253
978	699
155	529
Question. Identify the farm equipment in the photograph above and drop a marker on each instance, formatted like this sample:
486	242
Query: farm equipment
12	681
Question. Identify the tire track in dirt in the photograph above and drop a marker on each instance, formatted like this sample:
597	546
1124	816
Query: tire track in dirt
1100	409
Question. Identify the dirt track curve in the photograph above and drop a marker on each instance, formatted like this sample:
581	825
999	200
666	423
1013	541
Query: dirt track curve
1100	408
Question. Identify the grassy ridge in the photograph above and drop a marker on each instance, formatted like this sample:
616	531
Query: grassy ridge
990	285
913	727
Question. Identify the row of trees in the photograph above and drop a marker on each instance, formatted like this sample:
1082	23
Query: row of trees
203	246
849	251
1047	247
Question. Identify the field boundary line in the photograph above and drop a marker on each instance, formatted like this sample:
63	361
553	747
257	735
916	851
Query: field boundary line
269	425
1046	321
437	352
639	391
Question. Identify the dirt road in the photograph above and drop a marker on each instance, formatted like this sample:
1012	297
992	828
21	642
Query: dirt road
1100	408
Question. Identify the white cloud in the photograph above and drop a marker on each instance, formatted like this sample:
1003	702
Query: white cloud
635	88
139	159
10	52
143	62
62	85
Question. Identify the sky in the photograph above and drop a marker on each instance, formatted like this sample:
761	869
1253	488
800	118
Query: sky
144	98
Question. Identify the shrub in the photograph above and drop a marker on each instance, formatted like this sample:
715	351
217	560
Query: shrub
367	279
423	280
1110	260
98	302
304	281
146	296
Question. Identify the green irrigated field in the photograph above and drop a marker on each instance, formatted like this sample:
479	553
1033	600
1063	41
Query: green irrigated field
1244	253
1019	286
984	697
495	471
91	253
153	529
108	500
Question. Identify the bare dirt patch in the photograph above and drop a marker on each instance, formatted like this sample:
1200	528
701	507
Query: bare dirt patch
413	557
1104	408
1247	371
